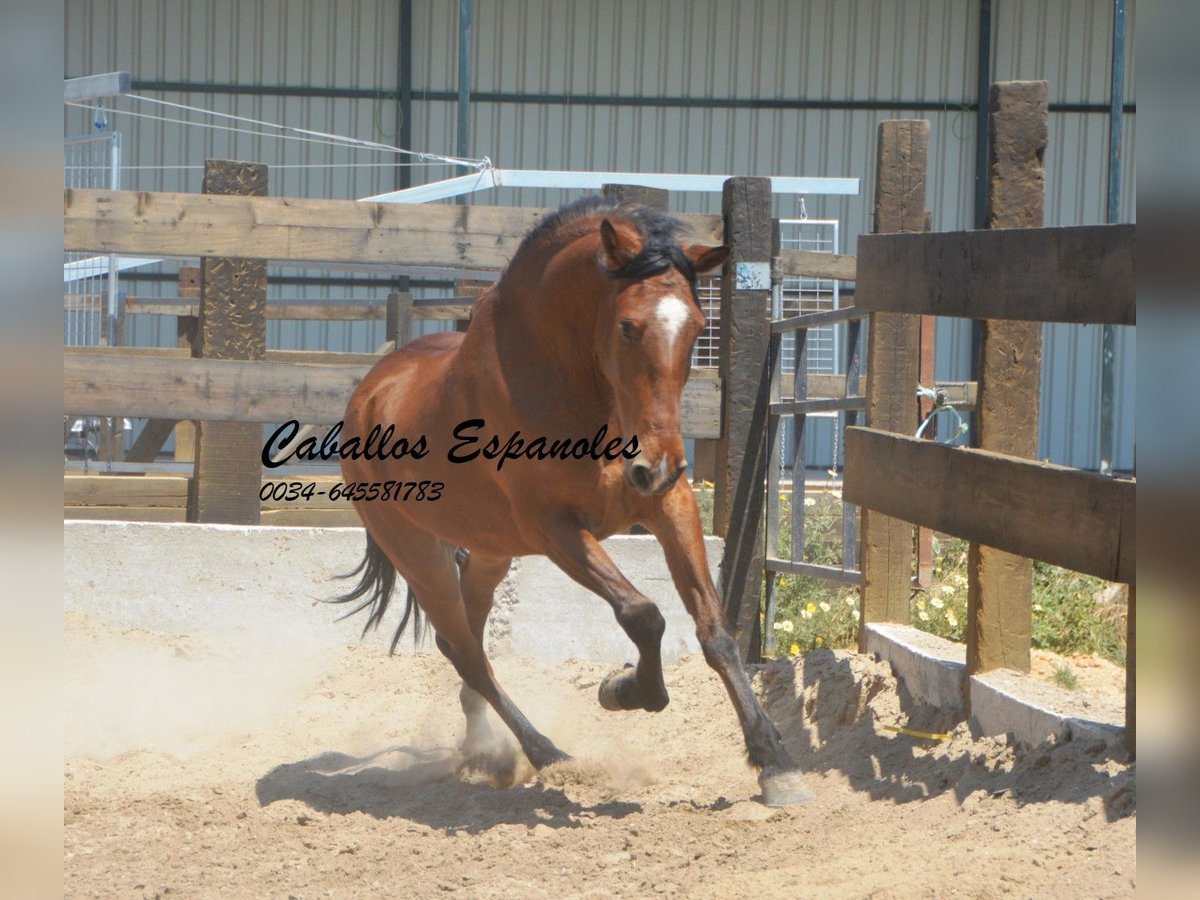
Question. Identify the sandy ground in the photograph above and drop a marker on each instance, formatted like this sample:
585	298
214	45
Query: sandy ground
262	767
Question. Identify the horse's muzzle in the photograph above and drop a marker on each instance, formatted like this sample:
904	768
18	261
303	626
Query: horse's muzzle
657	479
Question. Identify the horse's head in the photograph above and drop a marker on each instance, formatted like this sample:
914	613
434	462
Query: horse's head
644	343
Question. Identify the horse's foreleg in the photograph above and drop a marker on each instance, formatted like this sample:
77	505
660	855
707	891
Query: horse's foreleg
579	554
678	530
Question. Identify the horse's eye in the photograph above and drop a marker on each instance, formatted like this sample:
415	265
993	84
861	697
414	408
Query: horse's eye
629	331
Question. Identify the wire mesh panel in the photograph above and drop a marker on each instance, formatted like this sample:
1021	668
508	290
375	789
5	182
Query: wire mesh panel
89	291
706	353
824	344
810	295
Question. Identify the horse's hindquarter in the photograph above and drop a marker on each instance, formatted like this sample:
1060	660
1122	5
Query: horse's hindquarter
419	391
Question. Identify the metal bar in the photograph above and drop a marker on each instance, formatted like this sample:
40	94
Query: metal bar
812	570
982	114
800	393
404	53
819	405
774	462
464	75
853	378
94	87
1108	333
672	181
812	320
550	178
429	96
983	80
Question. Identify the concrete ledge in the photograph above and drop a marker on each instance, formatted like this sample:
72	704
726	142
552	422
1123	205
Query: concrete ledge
1002	702
1007	702
932	668
270	581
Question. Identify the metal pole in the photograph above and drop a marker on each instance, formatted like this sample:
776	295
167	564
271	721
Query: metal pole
464	74
404	86
983	78
1108	333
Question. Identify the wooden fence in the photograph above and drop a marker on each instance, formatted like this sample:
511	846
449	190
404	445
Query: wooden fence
1010	506
222	377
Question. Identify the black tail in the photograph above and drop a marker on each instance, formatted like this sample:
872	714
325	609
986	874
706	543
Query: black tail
376	584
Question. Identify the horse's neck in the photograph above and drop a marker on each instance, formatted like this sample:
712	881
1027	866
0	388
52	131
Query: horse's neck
550	330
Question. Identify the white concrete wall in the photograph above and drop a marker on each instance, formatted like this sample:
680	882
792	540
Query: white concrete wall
271	581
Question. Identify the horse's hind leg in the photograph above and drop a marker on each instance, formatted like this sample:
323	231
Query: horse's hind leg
427	564
478	577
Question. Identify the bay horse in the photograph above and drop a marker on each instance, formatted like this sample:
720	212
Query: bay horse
588	332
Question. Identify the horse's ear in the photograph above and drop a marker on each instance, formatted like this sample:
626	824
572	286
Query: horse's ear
705	259
618	250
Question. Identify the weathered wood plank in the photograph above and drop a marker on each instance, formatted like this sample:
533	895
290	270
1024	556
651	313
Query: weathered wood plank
229	390
886	545
124	490
1081	274
151	440
303	230
1074	519
450	308
127	513
305	357
807	264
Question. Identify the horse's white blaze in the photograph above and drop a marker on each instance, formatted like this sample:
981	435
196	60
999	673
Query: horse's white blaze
672	313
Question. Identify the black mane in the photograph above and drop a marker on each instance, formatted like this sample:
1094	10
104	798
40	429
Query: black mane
659	231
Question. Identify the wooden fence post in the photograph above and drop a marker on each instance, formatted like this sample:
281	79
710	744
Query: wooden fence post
893	367
233	325
999	584
187	334
399	323
752	236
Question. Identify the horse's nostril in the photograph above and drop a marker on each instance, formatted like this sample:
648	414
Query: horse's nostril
640	476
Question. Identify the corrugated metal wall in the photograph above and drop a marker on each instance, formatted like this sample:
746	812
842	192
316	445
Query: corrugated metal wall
704	86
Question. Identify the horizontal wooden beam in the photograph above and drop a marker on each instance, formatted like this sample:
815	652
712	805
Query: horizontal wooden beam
124	490
1079	274
447	308
308	357
808	264
159	386
1078	520
475	238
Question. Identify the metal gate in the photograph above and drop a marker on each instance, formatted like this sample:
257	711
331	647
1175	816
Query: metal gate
90	282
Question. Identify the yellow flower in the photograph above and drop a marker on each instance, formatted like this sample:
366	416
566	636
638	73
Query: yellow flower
810	607
951	618
794	649
819	641
921	603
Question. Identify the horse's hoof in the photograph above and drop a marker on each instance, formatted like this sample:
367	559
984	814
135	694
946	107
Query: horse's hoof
607	692
784	789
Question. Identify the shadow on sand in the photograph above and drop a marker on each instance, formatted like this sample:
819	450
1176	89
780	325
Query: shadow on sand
428	786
